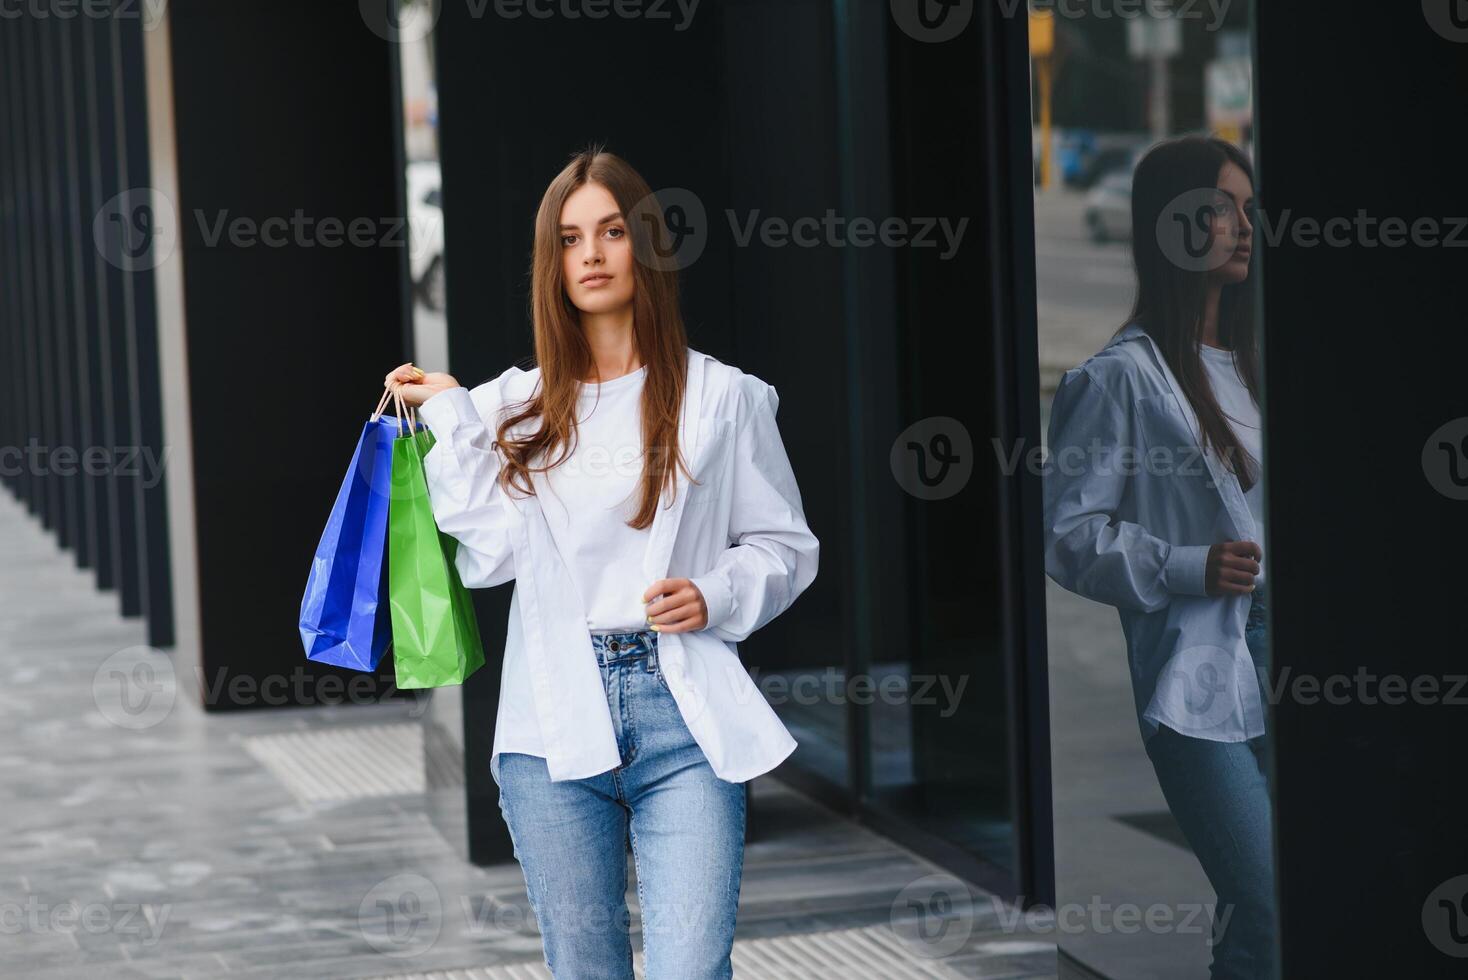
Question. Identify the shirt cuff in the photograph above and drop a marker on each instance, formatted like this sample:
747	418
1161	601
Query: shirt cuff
444	410
1185	571
716	596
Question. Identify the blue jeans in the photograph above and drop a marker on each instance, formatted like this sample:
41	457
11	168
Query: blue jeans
686	828
1219	794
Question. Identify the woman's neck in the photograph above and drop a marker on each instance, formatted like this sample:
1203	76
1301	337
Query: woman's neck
613	345
1210	315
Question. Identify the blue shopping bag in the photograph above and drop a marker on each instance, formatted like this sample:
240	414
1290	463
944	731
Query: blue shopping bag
345	616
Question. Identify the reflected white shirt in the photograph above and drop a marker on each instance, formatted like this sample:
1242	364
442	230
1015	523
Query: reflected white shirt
1132	505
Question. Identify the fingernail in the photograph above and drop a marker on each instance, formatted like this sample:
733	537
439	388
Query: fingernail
655	628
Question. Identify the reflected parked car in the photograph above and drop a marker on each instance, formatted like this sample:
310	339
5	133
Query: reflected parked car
1092	167
1085	157
425	232
1108	213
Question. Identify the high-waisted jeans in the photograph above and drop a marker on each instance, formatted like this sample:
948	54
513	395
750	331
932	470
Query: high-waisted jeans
686	828
1219	794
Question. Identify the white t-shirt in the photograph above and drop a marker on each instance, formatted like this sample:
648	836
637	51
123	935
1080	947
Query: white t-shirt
588	499
1242	415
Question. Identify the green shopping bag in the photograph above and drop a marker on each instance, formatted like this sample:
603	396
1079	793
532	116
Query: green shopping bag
435	633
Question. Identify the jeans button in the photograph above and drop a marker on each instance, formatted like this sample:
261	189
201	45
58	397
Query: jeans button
615	646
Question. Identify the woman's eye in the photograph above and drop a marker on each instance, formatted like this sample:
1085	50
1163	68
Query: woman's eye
615	232
568	240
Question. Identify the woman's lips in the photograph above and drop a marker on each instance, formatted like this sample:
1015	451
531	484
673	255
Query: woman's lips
592	282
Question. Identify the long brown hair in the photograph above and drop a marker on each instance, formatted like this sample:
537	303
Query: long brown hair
1170	299
561	350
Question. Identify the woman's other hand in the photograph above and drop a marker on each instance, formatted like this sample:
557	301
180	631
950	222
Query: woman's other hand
415	386
1232	566
674	605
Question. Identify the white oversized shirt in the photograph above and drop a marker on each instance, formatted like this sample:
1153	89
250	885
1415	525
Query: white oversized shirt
589	497
739	533
1131	506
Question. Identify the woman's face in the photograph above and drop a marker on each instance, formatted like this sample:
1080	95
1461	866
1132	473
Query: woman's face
596	252
1233	241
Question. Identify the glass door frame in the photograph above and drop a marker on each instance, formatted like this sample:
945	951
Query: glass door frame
999	51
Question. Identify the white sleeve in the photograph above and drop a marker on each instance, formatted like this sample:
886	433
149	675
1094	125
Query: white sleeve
462	472
1087	550
774	554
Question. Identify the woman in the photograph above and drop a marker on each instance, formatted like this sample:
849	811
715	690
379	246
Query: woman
1154	504
638	494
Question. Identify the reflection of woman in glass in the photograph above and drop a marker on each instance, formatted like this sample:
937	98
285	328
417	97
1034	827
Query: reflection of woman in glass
1154	504
638	494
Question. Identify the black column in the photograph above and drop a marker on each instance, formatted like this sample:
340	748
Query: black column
150	563
1367	422
283	116
33	33
17	297
56	232
104	294
80	320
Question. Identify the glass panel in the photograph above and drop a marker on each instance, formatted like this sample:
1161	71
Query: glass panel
937	727
919	692
1159	730
939	723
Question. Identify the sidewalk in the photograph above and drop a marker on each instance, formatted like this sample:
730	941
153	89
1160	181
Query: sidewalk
186	847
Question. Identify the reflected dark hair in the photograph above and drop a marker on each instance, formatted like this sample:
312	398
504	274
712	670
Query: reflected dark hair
1171	300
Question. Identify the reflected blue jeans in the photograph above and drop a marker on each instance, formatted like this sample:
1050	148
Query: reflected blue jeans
1219	794
686	828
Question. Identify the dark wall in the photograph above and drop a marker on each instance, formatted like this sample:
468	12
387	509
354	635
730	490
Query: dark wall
1365	361
280	108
